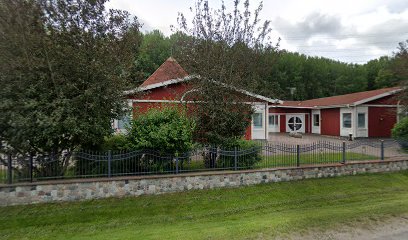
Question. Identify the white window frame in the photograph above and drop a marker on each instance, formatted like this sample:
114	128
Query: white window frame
318	120
275	120
261	120
350	119
358	120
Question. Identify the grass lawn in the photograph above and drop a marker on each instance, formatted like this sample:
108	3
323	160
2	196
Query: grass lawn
3	175
289	160
310	158
255	212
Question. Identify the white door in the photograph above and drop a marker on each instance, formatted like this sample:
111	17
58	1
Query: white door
295	123
347	122
316	121
362	122
259	122
273	123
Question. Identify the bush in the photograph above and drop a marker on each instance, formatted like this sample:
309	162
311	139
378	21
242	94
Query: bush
160	135
249	153
168	131
400	132
117	142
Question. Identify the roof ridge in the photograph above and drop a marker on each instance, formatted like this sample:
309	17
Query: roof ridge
161	74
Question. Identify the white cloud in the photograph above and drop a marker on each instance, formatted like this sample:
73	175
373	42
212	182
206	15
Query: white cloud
347	30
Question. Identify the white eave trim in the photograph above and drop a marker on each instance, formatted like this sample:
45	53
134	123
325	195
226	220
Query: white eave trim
177	101
157	85
187	78
348	105
377	97
266	99
270	100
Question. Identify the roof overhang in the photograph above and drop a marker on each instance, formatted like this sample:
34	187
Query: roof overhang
379	96
158	85
190	77
392	92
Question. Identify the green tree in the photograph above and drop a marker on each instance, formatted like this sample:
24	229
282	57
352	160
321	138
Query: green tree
63	67
400	69
154	50
385	78
373	69
226	50
400	131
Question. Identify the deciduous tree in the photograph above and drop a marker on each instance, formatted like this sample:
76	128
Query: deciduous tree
227	49
63	67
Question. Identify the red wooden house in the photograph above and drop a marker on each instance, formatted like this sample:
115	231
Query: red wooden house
362	114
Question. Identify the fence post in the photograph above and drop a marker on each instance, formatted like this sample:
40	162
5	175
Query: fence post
344	152
382	149
177	165
235	159
9	170
109	163
298	155
31	168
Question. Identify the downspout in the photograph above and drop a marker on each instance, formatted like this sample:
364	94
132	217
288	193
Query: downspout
354	122
266	122
398	110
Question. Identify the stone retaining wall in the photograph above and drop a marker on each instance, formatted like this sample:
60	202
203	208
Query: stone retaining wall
81	189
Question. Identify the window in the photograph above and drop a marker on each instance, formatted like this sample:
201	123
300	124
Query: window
257	120
316	120
361	120
295	123
346	120
123	122
273	120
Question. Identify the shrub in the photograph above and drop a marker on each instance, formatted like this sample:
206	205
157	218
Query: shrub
168	130
249	153
159	135
400	132
116	142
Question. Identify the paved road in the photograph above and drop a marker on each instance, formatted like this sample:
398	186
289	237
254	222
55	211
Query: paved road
394	236
390	229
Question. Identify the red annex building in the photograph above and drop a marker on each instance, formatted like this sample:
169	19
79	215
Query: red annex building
362	114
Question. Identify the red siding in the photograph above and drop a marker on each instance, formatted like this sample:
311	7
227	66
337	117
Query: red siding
171	92
142	107
282	123
380	121
330	122
248	133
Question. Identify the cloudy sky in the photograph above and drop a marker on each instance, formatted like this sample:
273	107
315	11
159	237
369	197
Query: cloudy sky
347	30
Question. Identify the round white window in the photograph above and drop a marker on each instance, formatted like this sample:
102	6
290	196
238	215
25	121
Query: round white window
295	123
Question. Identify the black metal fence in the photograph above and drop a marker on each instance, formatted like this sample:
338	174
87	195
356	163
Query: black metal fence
89	164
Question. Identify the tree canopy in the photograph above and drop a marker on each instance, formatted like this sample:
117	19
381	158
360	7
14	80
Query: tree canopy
310	77
225	49
63	67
